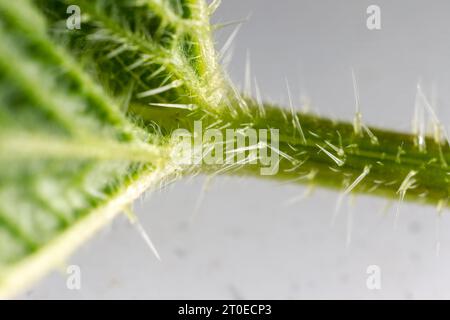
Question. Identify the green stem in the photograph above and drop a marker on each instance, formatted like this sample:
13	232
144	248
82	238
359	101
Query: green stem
323	152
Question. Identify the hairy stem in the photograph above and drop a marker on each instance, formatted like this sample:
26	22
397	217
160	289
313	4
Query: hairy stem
319	151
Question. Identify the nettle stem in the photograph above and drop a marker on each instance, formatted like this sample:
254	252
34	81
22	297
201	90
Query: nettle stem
319	151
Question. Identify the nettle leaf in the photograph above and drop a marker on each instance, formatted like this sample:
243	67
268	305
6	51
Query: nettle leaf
87	116
161	49
70	159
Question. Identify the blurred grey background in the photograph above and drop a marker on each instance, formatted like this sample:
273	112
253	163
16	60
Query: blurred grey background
251	239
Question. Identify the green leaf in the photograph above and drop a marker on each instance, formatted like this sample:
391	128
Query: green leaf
70	160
